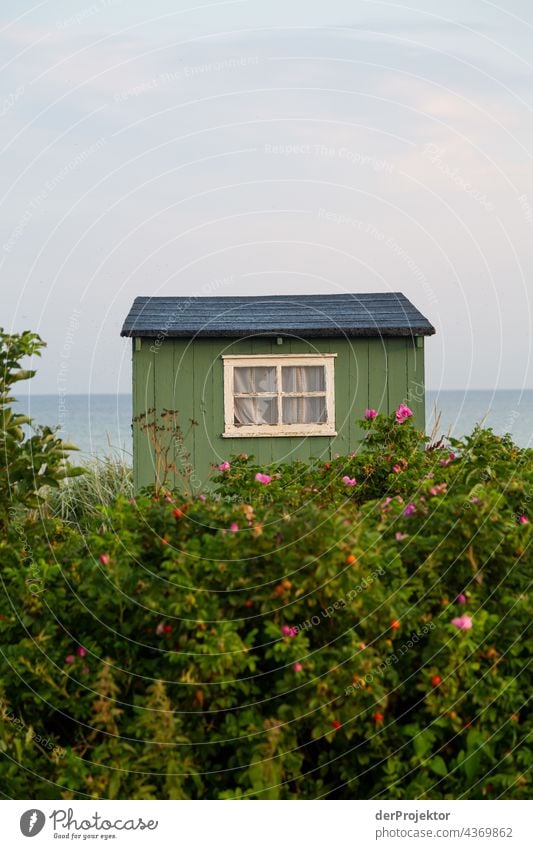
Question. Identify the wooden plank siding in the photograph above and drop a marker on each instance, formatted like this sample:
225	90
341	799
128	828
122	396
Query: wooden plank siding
416	396
378	398
143	400
396	373
201	436
187	375
164	380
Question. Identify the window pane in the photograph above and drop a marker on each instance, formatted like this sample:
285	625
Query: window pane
260	411
303	378
304	410
254	379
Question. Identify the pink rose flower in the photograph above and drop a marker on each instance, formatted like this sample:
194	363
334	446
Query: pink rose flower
104	559
396	468
464	623
370	414
349	481
261	478
70	658
402	413
400	537
297	667
286	630
224	467
449	459
523	520
81	652
409	510
461	598
234	527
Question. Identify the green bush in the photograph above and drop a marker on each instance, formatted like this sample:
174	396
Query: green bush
298	638
28	464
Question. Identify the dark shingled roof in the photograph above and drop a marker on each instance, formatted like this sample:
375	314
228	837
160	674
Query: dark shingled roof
381	314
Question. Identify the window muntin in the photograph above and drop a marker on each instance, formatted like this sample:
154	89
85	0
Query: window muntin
276	395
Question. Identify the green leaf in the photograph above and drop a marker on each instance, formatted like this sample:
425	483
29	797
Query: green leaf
438	766
423	742
471	765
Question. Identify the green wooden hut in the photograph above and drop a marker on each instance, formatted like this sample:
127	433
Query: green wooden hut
278	376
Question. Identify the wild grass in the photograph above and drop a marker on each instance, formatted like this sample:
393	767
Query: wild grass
78	499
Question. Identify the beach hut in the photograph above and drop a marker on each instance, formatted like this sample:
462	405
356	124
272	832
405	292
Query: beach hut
279	376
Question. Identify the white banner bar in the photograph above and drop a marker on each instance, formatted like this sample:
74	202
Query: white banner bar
267	825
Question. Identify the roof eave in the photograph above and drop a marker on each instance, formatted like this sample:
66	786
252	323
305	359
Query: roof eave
337	333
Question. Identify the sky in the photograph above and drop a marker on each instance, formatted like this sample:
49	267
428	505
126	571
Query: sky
252	147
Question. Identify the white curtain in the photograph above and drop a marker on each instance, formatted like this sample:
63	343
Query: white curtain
258	409
304	410
254	379
302	379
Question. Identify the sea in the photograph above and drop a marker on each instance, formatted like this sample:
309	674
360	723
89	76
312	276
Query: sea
100	425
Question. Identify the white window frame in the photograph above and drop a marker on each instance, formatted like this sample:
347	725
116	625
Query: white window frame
232	361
